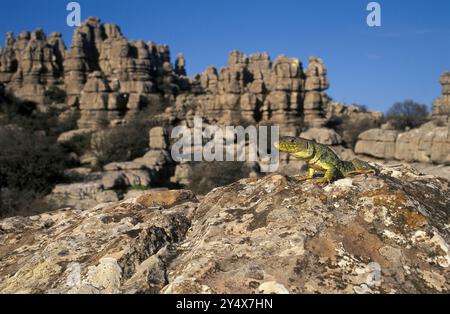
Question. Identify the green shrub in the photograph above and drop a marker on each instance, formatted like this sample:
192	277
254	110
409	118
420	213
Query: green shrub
54	95
350	128
30	165
407	114
121	143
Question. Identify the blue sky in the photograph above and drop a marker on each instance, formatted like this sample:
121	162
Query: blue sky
400	60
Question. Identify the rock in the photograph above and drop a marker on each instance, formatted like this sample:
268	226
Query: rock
107	249
379	143
428	143
323	136
166	199
385	233
441	106
80	195
69	136
316	82
158	139
114	81
31	62
276	235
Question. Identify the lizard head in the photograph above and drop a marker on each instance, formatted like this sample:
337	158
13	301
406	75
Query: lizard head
294	145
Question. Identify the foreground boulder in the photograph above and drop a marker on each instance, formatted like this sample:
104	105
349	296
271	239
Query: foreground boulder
369	234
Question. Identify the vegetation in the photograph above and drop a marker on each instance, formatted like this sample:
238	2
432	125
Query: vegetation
54	95
30	163
407	114
121	143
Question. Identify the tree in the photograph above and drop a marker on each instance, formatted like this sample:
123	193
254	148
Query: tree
407	114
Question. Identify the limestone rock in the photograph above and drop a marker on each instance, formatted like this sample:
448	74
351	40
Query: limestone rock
367	234
103	250
323	136
315	83
429	143
31	62
237	245
378	143
384	233
158	139
441	106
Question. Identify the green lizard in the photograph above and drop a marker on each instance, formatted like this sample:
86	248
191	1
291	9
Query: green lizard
322	158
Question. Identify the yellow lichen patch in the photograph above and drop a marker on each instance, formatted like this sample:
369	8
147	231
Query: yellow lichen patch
384	190
395	203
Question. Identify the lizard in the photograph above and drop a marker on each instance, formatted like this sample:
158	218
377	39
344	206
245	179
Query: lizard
322	158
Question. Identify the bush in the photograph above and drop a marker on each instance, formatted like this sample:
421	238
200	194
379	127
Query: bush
30	164
350	128
54	95
25	114
121	143
407	114
11	106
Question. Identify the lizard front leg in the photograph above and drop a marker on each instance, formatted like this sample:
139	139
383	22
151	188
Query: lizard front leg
328	177
310	175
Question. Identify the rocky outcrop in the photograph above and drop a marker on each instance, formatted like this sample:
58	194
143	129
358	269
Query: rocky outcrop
368	234
429	143
441	106
152	169
31	62
111	248
113	80
378	143
315	85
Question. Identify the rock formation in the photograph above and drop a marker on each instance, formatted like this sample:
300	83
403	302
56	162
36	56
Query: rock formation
429	143
110	79
378	143
441	106
368	234
31	62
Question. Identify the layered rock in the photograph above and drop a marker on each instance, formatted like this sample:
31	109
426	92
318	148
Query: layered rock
31	62
429	143
152	169
424	145
111	79
367	234
315	85
255	90
378	143
441	106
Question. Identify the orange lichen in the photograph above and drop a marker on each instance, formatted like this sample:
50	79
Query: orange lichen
413	219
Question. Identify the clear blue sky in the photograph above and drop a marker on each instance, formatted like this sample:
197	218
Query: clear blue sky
373	66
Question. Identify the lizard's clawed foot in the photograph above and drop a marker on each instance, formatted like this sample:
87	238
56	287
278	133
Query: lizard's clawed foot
322	181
